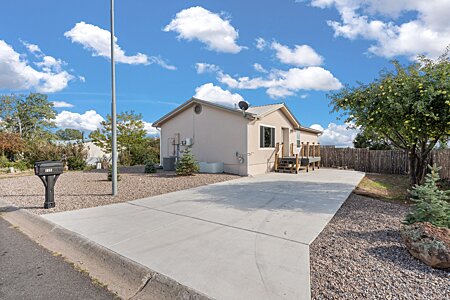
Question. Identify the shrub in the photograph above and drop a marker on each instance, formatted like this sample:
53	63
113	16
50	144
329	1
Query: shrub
42	150
20	165
187	165
141	153
431	204
75	163
4	162
110	174
150	166
75	156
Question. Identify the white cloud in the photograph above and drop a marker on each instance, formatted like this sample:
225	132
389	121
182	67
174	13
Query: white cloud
280	83
98	41
197	23
150	129
206	68
259	68
89	121
50	64
304	96
62	104
338	135
260	43
300	56
216	94
82	78
17	74
33	48
425	30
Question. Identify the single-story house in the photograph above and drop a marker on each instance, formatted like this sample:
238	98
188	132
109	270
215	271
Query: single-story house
247	142
94	153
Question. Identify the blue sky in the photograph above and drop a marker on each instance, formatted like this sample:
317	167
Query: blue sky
264	52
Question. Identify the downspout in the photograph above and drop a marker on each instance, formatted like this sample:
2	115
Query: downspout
160	148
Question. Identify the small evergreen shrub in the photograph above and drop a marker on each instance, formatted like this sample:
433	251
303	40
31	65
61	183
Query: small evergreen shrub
431	204
76	163
187	165
110	174
150	166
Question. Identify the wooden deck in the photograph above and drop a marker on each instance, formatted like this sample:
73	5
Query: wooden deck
309	157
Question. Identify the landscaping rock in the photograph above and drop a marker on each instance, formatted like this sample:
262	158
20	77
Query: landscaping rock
361	255
76	190
428	243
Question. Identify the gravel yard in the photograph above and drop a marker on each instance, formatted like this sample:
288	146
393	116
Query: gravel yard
75	190
359	255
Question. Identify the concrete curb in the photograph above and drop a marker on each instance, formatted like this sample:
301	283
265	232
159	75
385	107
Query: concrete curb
123	276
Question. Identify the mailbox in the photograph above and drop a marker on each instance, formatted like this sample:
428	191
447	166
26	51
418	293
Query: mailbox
49	171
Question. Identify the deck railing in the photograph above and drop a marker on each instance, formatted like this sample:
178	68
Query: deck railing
310	150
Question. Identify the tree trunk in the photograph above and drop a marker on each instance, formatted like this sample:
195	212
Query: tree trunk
412	166
418	164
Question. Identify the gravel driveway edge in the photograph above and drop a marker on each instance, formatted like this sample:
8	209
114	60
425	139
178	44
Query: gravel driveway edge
121	275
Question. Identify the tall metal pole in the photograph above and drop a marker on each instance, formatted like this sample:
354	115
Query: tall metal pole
113	108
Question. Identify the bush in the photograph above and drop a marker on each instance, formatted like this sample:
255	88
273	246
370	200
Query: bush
20	165
431	204
4	162
110	174
75	163
150	166
141	153
187	165
42	150
75	156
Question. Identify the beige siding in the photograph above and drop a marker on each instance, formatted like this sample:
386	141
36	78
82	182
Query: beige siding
261	159
308	137
217	136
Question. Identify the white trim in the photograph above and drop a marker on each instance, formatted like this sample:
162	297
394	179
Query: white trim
259	136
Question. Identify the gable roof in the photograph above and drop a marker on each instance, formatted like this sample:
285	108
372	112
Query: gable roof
307	129
187	104
252	113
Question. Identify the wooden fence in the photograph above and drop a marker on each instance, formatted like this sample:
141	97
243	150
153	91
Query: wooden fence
379	161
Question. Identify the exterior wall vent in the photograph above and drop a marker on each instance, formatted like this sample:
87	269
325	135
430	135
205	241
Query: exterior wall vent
198	109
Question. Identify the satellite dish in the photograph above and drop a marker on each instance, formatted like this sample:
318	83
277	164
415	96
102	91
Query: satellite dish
243	105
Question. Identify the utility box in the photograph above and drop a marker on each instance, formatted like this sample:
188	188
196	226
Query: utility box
211	167
169	163
49	171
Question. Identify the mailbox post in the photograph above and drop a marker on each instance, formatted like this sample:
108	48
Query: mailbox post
49	171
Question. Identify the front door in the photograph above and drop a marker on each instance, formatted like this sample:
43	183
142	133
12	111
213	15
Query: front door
286	142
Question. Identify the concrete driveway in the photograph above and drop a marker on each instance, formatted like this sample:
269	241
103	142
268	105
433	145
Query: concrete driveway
241	239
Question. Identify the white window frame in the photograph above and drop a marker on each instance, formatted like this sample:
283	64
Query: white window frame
274	138
298	138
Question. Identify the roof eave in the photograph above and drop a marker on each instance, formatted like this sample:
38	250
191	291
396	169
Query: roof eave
183	106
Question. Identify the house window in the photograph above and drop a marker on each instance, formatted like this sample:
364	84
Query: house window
298	139
266	137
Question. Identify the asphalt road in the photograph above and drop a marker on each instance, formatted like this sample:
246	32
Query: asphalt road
29	271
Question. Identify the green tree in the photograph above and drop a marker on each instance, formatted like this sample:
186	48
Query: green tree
409	107
431	204
30	116
187	165
372	141
130	134
69	134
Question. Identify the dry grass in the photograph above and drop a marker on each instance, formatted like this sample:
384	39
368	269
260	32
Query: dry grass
385	187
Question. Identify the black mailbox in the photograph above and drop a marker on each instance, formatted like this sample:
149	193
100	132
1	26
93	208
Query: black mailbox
49	171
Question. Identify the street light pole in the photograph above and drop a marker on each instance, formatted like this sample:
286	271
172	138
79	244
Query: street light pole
113	108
